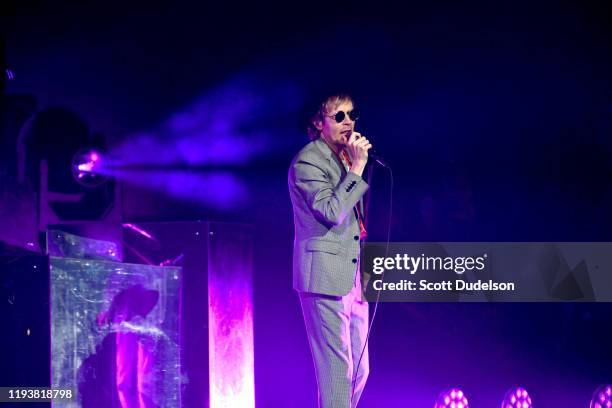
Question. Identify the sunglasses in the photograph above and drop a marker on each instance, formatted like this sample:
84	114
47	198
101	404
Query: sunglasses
340	115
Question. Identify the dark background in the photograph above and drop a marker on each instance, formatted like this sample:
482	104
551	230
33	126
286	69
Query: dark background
496	118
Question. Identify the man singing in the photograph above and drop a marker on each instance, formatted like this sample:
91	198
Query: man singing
326	189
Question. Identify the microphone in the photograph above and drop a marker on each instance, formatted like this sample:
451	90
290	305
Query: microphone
373	154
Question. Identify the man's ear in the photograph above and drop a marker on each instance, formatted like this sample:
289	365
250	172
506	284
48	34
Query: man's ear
318	124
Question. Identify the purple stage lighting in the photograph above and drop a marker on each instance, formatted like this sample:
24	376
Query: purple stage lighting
230	318
87	168
230	191
236	122
452	398
517	397
602	397
140	231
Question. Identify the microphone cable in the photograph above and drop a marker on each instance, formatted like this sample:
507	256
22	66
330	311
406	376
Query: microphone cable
382	277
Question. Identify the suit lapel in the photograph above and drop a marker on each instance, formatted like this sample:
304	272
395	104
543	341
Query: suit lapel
337	168
338	164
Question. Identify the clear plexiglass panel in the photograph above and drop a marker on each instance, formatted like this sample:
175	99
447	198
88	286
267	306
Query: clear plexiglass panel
115	333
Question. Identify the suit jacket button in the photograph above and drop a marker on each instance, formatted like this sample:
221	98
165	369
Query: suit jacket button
354	260
356	237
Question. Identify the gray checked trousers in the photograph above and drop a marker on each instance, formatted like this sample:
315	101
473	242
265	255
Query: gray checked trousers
337	327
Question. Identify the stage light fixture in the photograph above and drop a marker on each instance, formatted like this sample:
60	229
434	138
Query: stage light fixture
452	398
517	397
87	168
602	397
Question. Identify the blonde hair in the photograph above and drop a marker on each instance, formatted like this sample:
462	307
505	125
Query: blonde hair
328	104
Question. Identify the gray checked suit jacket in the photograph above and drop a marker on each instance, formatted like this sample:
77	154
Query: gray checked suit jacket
327	244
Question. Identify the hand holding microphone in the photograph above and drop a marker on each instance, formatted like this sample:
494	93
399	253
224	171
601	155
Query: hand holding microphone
369	152
357	147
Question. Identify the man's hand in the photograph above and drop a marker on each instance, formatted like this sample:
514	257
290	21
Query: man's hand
357	148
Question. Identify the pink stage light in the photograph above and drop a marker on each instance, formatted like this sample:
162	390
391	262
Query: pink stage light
602	397
452	398
232	382
87	168
517	397
230	333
